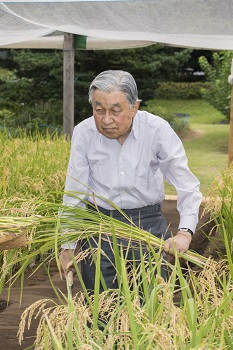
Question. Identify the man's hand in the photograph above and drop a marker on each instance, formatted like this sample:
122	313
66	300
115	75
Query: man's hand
66	262
180	243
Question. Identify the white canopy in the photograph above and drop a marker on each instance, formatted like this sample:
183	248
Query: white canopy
205	24
109	24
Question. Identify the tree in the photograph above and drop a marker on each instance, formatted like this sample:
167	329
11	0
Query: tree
219	92
149	66
35	94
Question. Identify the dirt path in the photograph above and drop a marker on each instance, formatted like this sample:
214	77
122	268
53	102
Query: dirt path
38	287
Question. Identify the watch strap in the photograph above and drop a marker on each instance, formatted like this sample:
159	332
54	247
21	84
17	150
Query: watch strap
186	230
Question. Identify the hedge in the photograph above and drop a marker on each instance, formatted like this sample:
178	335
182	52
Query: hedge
178	90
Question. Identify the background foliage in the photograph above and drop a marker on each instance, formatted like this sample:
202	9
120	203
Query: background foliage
218	93
31	81
181	90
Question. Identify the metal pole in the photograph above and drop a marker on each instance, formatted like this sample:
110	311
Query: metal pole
230	143
68	85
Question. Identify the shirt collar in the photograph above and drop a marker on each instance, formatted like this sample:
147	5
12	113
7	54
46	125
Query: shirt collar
135	127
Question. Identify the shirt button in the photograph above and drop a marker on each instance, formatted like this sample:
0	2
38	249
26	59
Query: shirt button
122	173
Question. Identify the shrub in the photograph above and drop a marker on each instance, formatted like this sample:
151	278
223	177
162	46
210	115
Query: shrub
173	90
178	124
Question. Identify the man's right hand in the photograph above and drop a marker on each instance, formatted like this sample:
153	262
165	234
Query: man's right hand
66	262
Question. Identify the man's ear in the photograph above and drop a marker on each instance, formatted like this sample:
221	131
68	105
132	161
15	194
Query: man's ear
135	108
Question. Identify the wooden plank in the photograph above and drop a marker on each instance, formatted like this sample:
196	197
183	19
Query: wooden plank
68	85
10	240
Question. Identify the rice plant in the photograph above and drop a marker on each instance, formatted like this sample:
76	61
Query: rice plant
46	233
32	167
220	207
32	172
192	310
201	317
134	316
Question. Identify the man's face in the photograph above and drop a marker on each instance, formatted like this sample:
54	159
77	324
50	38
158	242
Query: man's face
113	114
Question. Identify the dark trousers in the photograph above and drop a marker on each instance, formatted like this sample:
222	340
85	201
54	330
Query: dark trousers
148	218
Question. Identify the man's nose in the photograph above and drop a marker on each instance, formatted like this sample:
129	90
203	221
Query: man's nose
107	118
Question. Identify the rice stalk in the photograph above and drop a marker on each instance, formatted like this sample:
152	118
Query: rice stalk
220	193
220	207
46	233
40	173
84	224
170	327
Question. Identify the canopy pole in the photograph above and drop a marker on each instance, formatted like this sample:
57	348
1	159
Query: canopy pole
230	144
68	85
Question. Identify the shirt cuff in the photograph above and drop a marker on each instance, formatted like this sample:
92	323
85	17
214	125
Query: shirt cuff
71	245
188	222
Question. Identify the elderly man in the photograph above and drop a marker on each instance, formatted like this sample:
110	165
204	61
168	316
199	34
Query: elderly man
124	154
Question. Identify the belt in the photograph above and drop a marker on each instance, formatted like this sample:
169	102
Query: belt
129	212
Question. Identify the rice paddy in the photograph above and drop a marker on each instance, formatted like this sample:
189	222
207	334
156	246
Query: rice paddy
193	309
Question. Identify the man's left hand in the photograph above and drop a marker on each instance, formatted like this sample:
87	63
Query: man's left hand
179	243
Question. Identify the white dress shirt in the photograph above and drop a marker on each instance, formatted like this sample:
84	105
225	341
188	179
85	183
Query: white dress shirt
131	175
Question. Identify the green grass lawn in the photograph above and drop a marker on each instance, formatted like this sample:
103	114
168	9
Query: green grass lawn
207	145
208	152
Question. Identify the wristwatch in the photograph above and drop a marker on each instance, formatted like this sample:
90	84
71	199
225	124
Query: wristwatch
186	230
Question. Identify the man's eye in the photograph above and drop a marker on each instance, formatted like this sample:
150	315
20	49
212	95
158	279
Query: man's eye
116	112
100	111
